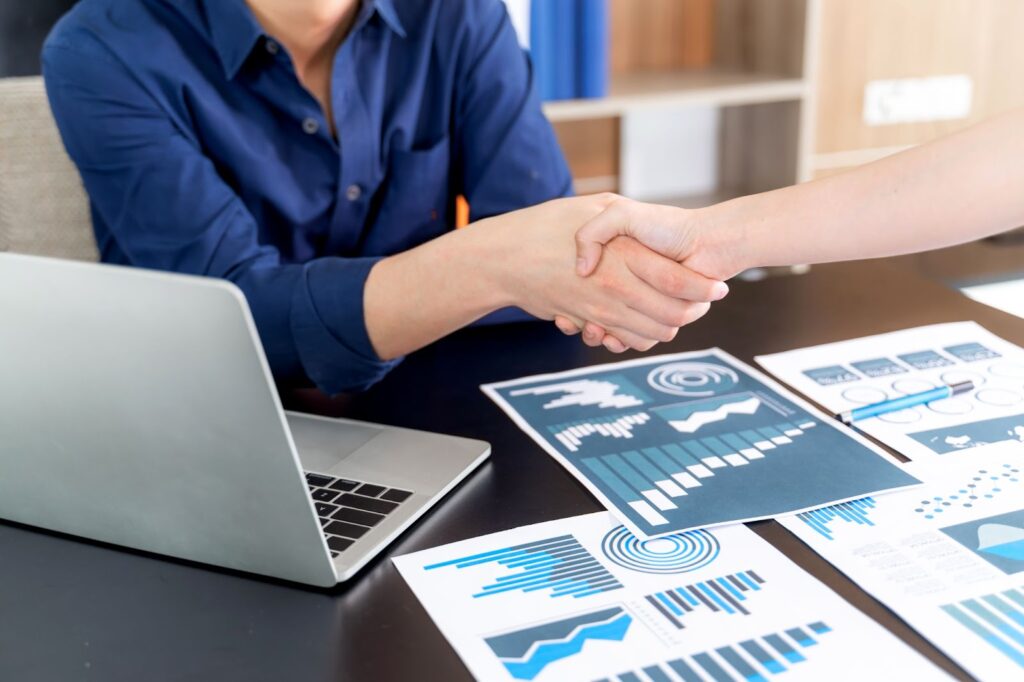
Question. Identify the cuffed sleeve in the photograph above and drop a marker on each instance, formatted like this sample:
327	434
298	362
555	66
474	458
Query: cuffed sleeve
336	354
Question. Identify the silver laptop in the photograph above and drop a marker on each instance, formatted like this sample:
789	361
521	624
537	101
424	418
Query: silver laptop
137	408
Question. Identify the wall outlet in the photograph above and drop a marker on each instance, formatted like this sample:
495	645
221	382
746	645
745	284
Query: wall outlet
917	100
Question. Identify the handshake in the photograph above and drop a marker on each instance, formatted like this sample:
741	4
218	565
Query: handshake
625	274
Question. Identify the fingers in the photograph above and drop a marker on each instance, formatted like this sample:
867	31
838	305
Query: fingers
642	325
593	335
593	331
664	310
597	232
620	340
628	340
669	277
566	326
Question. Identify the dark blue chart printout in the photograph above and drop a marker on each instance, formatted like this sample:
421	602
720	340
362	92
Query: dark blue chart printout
677	442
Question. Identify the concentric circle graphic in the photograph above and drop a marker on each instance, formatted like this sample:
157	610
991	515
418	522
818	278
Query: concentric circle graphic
693	379
679	553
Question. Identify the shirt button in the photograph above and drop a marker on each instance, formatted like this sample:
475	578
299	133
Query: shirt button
272	47
353	192
310	126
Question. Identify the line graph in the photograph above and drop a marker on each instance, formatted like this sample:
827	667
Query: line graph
998	540
525	653
691	417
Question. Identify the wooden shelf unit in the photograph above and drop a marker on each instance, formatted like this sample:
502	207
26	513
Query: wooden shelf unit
743	57
790	77
714	87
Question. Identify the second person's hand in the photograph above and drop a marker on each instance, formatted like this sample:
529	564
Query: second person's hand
679	234
641	296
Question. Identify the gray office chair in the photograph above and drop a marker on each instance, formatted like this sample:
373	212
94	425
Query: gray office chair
43	208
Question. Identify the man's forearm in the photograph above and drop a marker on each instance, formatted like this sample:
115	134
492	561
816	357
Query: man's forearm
959	188
416	297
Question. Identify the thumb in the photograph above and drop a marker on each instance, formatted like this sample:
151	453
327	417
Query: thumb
594	234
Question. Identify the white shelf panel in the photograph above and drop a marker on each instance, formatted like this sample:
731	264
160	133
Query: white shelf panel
686	88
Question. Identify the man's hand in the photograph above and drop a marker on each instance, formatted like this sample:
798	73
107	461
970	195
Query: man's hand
676	233
639	296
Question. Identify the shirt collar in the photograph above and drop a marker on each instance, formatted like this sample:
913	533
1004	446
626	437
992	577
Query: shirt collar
386	10
235	31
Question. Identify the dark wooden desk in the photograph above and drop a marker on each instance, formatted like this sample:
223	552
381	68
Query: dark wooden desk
72	610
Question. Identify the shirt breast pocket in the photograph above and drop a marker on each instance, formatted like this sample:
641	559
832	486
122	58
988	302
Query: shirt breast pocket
416	201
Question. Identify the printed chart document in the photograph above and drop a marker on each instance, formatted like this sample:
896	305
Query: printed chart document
583	599
948	557
676	442
850	374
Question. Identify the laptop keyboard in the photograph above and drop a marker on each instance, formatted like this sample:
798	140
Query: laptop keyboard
349	509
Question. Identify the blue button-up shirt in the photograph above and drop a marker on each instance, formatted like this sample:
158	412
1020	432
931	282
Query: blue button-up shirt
202	152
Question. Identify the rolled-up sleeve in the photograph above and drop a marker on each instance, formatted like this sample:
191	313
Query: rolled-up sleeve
168	208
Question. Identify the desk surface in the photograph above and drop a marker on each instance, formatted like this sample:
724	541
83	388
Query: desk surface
73	610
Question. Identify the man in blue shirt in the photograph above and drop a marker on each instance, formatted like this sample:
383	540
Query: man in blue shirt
311	151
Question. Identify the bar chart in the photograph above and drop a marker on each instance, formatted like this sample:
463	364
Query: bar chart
855	512
753	660
725	595
559	566
997	619
652	480
571	434
615	391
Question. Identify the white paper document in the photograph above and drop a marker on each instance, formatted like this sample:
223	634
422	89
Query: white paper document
948	558
675	442
584	599
851	374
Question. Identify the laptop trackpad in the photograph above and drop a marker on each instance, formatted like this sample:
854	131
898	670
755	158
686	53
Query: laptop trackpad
325	443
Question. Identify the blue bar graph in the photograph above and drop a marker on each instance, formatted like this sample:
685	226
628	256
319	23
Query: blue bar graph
571	434
654	480
560	566
854	511
727	595
998	619
753	660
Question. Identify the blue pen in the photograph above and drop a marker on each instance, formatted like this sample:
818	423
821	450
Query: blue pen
907	401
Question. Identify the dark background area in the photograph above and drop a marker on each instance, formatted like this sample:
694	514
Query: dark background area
23	27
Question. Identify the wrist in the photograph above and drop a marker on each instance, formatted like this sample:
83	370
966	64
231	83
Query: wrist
721	230
482	251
